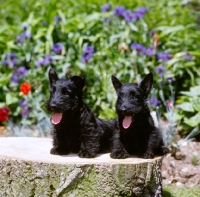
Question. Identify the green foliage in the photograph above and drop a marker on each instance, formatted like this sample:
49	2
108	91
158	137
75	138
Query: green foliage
173	191
194	160
189	103
81	25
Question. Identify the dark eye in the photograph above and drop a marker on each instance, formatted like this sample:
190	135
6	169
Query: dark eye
64	90
137	97
133	96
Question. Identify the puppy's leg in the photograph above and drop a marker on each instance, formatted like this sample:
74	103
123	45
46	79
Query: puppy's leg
59	145
90	136
118	151
152	143
90	146
162	149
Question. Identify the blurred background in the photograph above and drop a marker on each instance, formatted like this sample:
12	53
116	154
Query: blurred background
96	39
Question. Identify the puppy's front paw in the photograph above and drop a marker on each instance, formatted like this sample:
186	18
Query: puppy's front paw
165	150
86	154
119	154
148	156
59	151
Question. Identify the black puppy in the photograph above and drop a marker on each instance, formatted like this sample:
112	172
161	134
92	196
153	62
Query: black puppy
75	127
135	132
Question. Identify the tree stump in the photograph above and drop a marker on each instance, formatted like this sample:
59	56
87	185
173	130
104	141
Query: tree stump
27	169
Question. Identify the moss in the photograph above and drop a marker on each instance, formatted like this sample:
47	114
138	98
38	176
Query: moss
66	180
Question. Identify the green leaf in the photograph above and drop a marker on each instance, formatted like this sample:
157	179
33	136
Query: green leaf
194	121
186	106
11	98
196	104
195	90
2	104
4	79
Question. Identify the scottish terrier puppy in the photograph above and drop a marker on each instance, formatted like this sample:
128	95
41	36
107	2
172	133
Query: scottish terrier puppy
75	127
135	132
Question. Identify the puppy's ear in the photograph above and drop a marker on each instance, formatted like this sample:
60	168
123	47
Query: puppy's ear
52	76
78	81
146	83
116	83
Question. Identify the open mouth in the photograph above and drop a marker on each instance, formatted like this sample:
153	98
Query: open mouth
127	121
56	118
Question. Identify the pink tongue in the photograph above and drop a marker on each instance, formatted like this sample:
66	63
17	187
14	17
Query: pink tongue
127	122
56	118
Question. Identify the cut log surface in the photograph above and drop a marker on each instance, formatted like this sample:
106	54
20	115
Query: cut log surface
27	169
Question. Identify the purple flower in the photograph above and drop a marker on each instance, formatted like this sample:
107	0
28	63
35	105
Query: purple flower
154	101
27	35
152	32
89	49
87	53
10	60
119	10
164	56
11	55
85	58
44	23
5	62
10	63
138	15
129	16
106	20
39	63
23	36
57	47
138	47
15	79
150	51
22	71
20	38
142	10
57	18
25	113
188	56
47	59
105	8
25	27
23	103
160	70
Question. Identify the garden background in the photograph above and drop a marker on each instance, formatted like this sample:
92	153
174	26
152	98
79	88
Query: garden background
97	39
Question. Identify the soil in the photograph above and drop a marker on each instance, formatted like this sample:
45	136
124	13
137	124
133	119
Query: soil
184	168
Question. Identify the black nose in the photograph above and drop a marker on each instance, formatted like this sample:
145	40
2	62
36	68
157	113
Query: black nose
123	110
52	106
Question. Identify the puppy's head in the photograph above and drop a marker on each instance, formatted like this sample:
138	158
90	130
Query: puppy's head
65	94
132	99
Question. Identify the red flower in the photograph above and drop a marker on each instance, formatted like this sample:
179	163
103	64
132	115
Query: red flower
4	114
25	88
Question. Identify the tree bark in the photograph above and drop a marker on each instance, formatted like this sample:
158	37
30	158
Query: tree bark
28	170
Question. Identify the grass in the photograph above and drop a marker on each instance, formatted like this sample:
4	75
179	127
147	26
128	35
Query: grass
172	191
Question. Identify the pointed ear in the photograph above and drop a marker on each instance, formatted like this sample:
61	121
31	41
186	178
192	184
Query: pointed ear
78	81
52	76
146	83
116	83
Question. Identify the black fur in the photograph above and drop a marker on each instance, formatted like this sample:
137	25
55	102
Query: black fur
141	137
78	131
